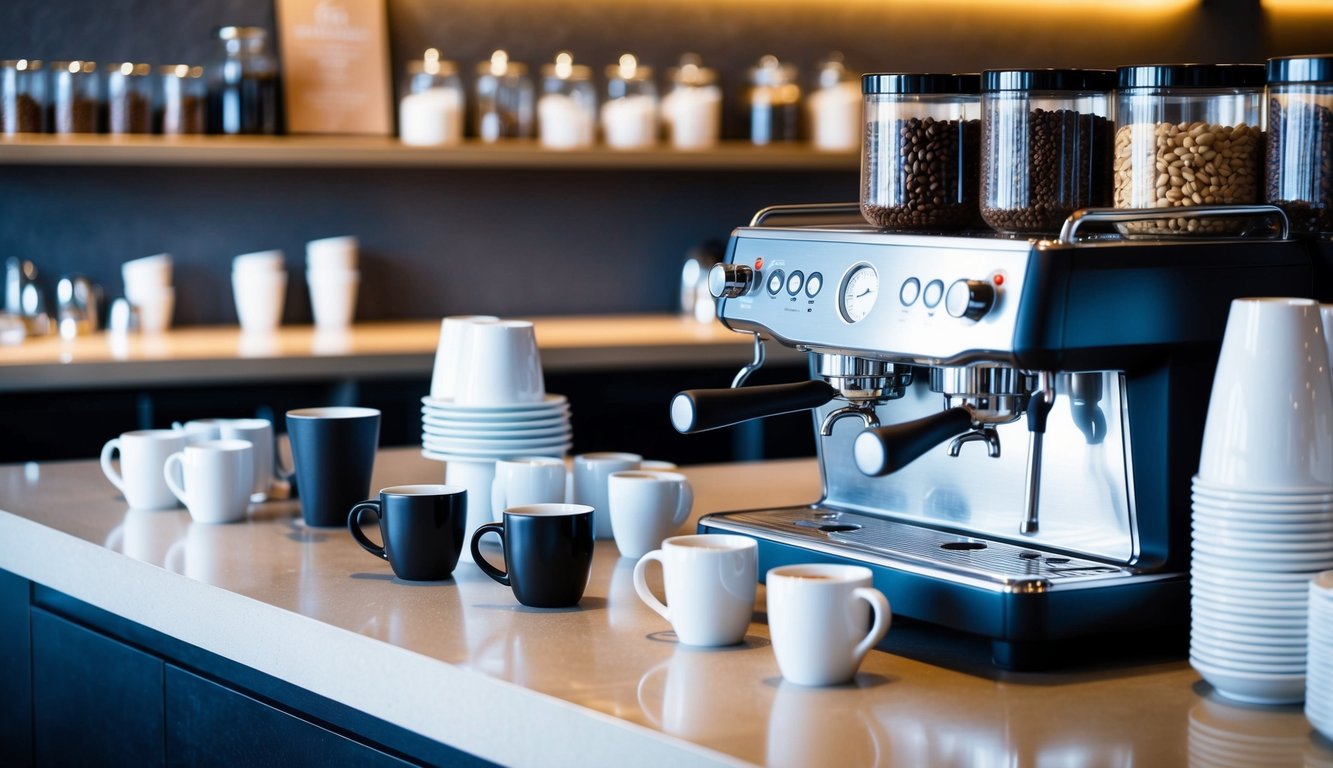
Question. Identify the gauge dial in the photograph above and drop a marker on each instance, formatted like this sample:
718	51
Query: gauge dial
860	289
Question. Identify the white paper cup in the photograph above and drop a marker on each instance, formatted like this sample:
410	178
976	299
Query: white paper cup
212	479
646	508
260	295
333	297
710	582
818	615
451	353
338	254
502	366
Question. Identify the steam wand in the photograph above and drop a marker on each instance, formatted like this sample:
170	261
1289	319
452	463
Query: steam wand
1039	406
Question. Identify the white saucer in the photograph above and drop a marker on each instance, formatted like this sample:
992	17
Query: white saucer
1286	521
492	456
1262	562
1281	580
449	406
1250	687
449	445
436	456
495	425
497	434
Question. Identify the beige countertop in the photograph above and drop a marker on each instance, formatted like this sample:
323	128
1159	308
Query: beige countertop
607	677
222	354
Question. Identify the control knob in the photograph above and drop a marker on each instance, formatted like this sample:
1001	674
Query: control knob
971	299
727	281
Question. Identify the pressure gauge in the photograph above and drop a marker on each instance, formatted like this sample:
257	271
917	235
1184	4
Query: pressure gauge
860	289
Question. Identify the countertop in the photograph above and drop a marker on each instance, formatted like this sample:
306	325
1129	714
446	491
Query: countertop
603	684
222	354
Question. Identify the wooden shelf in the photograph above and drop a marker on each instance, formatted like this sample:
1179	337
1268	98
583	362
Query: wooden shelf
388	152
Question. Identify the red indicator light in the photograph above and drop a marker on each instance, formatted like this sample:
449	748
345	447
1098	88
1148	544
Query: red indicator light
998	279
759	263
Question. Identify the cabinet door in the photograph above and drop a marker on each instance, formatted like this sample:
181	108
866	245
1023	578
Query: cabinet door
96	701
211	725
15	672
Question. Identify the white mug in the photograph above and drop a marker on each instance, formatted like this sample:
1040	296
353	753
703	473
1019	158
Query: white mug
527	480
260	295
142	455
213	479
199	430
588	483
259	433
817	618
452	352
333	298
646	507
710	586
502	366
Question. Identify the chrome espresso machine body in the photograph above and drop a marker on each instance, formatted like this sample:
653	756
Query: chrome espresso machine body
1006	428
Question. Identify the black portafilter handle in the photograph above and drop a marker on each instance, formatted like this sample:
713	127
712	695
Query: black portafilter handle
699	410
882	450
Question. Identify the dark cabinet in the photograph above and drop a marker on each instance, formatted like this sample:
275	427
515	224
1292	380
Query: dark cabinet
15	672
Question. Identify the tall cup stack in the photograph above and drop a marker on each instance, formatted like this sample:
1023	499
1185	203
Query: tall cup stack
333	277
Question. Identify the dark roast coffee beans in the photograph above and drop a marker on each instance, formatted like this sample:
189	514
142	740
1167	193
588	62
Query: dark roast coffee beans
1299	178
921	173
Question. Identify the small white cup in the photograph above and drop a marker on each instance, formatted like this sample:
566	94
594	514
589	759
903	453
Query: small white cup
144	276
332	253
478	477
526	480
199	430
710	586
502	365
260	295
817	617
156	306
588	484
259	433
452	352
258	261
333	297
212	479
647	507
142	456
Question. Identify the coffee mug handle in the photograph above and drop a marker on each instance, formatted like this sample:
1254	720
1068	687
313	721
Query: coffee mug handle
115	477
486	567
686	504
641	584
883	617
354	525
170	469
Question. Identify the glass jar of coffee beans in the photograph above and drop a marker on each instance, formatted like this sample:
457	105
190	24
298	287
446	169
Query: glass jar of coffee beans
1045	146
76	97
22	97
1188	135
921	151
1299	167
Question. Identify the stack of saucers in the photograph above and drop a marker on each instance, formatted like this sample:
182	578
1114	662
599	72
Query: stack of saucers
1319	684
451	431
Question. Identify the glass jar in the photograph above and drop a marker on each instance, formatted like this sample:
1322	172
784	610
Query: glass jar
244	90
1045	146
182	109
1187	135
834	108
504	99
921	151
629	116
692	109
773	102
75	97
1299	169
431	110
22	97
567	109
129	98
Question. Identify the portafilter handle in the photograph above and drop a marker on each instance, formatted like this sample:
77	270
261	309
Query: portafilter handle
699	410
884	450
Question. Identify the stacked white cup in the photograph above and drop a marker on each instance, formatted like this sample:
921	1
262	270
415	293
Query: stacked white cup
1319	684
1262	502
333	279
148	287
259	284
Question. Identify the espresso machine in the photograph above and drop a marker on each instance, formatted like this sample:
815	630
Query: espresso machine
1006	428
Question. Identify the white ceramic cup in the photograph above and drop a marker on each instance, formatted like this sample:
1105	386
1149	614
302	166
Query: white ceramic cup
1270	416
451	353
146	275
333	297
710	586
502	366
259	433
332	253
199	430
817	617
156	306
527	480
588	484
260	295
142	456
258	261
212	479
478	477
646	508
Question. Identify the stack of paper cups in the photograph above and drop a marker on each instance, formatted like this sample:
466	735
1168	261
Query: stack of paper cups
331	271
148	287
259	285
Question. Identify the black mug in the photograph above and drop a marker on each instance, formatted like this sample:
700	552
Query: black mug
422	527
334	453
547	551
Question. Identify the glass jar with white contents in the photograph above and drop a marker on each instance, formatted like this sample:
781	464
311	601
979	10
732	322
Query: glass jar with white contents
430	113
629	115
567	108
692	108
834	108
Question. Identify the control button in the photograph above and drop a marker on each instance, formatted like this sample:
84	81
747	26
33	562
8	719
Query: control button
727	281
909	292
813	283
971	299
932	294
776	281
795	281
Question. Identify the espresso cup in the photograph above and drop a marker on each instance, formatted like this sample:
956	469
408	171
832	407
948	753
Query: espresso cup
710	586
527	480
452	352
142	456
817	619
421	526
547	553
334	453
503	366
646	507
589	483
212	479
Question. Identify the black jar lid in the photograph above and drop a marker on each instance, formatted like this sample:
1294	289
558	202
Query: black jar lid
1047	80
1192	76
1301	69
917	83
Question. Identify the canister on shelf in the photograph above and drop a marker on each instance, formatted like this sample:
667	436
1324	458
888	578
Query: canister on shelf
75	97
692	109
431	110
773	102
22	96
183	106
1045	146
504	99
129	98
629	116
244	89
567	109
1299	151
834	107
1187	135
921	151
